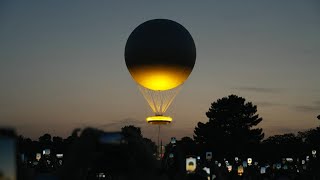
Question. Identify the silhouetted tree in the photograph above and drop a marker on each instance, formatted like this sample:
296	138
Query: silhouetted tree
131	131
58	145
230	125
284	145
45	139
186	140
57	139
150	144
311	137
27	146
284	139
139	150
188	145
73	137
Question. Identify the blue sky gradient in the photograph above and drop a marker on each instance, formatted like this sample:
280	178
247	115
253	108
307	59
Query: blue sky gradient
62	63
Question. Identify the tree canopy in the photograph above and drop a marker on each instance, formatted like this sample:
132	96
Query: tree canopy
230	126
131	131
284	139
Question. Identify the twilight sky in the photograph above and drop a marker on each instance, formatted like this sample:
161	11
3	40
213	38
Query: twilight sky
62	63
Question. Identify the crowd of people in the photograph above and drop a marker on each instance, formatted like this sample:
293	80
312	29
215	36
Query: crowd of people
130	157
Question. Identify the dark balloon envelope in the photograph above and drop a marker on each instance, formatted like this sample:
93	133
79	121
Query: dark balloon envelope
160	54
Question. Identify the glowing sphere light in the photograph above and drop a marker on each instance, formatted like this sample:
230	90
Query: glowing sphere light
160	54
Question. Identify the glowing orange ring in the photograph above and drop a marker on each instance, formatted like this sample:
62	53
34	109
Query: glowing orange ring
159	119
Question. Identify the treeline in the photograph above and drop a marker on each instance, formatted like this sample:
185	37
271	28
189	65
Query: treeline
273	148
231	130
59	145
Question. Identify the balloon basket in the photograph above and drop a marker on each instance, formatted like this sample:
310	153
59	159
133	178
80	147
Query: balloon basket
159	120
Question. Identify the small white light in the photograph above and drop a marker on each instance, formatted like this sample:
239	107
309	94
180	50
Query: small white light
59	155
289	159
46	152
38	156
207	170
173	140
213	176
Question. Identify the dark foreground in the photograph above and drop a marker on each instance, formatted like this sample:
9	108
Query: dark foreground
95	154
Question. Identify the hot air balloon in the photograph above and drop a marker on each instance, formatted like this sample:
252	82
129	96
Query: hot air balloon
160	55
